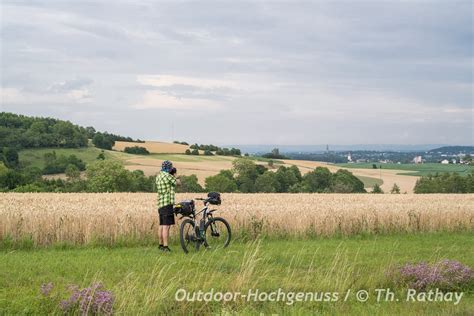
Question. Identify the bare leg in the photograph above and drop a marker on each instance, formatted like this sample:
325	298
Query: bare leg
166	233
160	234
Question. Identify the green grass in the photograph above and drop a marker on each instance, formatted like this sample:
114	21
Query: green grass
369	182
415	169
144	281
35	157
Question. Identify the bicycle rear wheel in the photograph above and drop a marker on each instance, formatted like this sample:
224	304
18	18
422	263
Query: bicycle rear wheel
218	233
187	236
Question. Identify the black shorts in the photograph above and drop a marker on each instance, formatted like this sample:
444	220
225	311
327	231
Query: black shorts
166	215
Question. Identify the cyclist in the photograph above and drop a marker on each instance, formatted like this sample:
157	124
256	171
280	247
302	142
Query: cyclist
165	185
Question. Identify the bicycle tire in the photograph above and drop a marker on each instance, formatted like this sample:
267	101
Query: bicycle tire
226	225
184	240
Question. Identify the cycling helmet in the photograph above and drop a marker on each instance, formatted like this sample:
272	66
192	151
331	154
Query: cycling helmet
166	166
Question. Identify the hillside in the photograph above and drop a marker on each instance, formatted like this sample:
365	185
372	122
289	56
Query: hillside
21	131
36	137
154	147
205	166
454	149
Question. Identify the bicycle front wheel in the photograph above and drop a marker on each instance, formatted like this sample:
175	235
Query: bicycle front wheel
187	235
218	233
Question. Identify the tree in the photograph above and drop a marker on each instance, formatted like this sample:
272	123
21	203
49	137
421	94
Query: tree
395	189
343	178
103	141
101	156
139	183
72	172
317	180
228	174
107	176
377	189
58	164
270	164
220	183
189	184
286	178
10	178
207	152
187	152
90	131
195	152
267	183
247	173
445	183
296	171
10	157
136	150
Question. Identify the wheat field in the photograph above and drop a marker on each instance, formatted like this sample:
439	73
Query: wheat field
83	218
154	147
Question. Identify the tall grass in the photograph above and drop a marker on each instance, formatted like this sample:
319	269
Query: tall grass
41	219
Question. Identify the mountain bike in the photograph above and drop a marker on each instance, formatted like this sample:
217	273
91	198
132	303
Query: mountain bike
210	232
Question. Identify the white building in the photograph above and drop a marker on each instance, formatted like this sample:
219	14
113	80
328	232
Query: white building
445	161
418	159
349	157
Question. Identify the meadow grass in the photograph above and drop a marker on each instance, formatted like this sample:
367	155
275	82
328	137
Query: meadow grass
414	169
35	157
144	280
369	182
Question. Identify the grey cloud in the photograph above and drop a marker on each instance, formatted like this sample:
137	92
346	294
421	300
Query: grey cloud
68	85
305	72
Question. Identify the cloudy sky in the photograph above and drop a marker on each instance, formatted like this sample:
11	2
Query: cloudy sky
245	72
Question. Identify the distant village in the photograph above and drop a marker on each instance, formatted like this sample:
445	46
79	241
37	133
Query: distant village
420	159
443	155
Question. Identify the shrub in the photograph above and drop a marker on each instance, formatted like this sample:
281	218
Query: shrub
377	189
137	150
189	184
395	189
220	183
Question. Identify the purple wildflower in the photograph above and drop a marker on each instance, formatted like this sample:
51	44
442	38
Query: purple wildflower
45	289
91	300
445	275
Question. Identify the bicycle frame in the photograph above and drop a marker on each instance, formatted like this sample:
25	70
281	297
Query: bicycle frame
206	214
201	221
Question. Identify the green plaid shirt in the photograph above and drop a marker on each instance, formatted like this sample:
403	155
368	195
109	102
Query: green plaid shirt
165	185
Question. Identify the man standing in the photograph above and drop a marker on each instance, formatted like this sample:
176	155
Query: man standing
165	185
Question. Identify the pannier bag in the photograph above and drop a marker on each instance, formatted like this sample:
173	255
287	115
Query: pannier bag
184	208
214	198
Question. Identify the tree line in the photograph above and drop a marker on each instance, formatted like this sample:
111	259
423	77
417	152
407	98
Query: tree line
20	132
110	176
445	183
